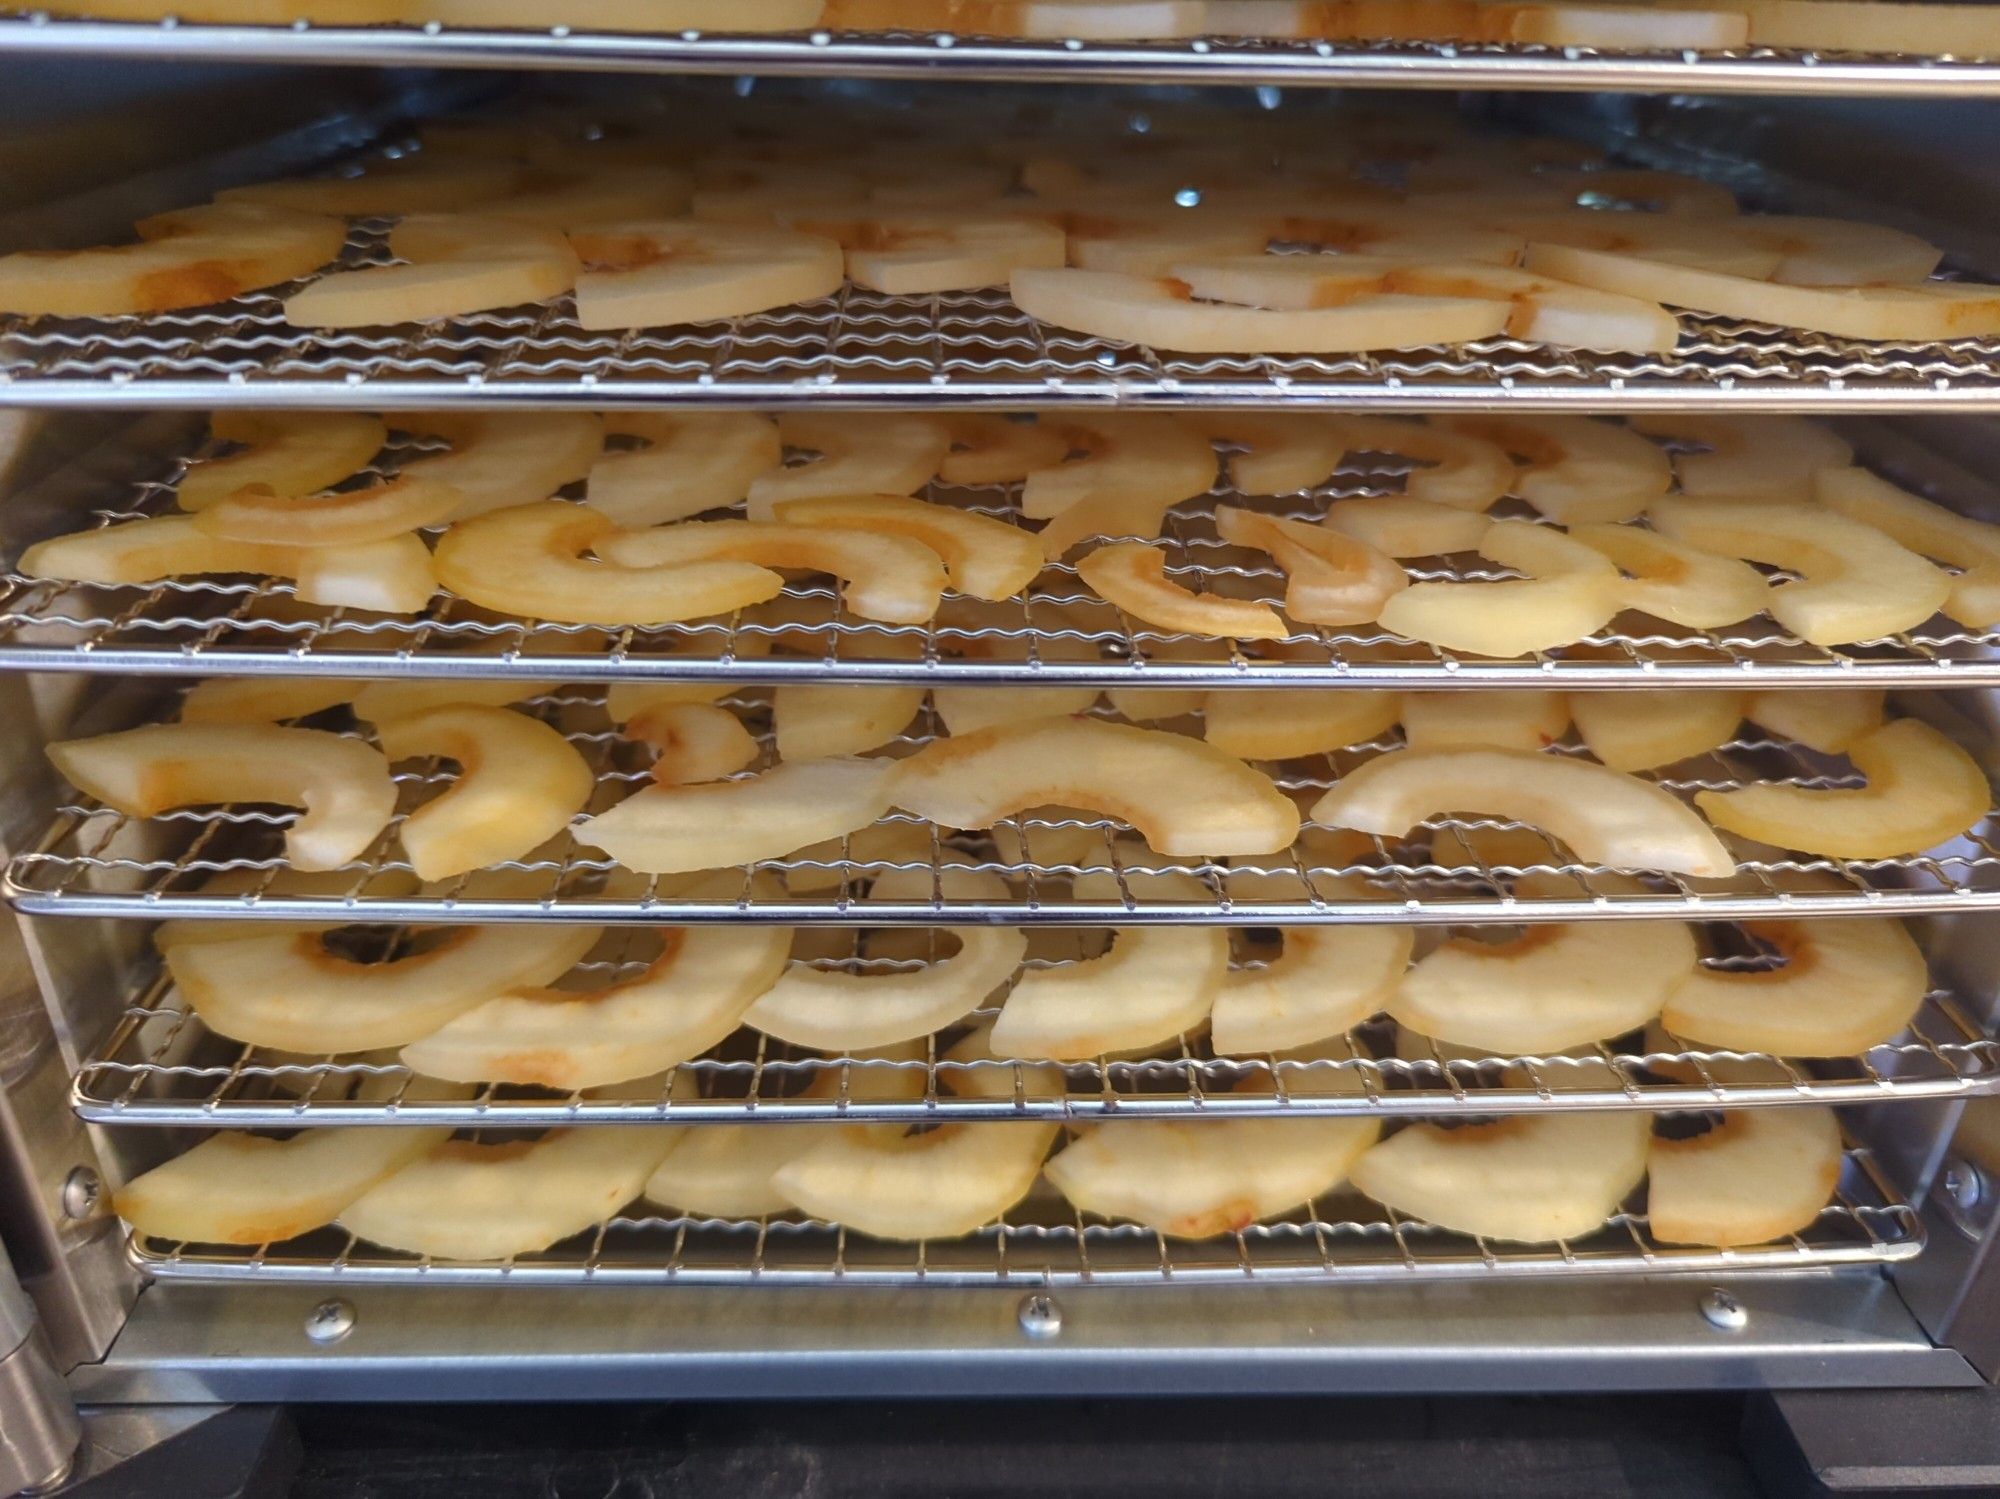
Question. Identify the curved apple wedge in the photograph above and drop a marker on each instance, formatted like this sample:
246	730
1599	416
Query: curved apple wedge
667	271
1844	986
1524	1180
1828	721
471	1201
987	449
1762	455
1330	578
812	721
499	460
1456	468
289	991
1284	723
1398	526
1854	582
684	829
1922	790
967	710
1120	457
343	518
519	783
909	252
1194	1179
984	557
1500	718
454	265
1283	452
378	702
1132	576
341	786
287	453
1671	580
1326	981
1644	730
1578	470
1758	1175
530	561
693	461
1605	817
890	578
268	700
1930	530
693	742
1183	796
894	453
1570	591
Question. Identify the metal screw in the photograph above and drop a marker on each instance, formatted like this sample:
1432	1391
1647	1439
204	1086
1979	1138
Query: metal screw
1040	1317
1723	1310
330	1321
80	1191
1965	1184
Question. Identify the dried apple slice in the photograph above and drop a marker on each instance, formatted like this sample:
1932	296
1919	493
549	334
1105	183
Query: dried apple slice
1758	1175
1183	796
1399	526
859	454
968	710
1524	1180
657	273
264	699
286	453
828	864
915	251
340	786
472	1201
378	702
530	561
454	265
1154	704
1578	470
343	518
409	185
1922	790
693	461
1457	469
1864	26
1497	719
1327	980
1676	582
1544	310
1285	452
885	577
502	459
1828	721
693	742
683	829
1284	723
1774	455
1570	592
1605	817
984	557
996	450
1121	456
1644	730
630	15
1330	579
1042	20
1132	576
812	722
289	991
1928	529
1854	583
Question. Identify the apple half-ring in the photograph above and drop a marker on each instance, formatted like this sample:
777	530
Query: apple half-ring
500	460
692	742
1284	723
1671	580
894	453
1458	469
1398	525
287	453
265	699
1578	470
453	265
693	461
1645	730
1930	530
1757	1175
1326	981
1120	457
1132	576
989	449
1284	452
1829	720
1762	455
342	518
984	557
1330	578
651	275
1492	718
1570	591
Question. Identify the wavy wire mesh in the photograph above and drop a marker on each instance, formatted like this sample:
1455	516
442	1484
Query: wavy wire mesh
1062	633
1045	1242
97	862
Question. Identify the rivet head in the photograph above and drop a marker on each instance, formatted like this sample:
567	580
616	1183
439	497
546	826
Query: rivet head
1965	1184
330	1321
1723	1310
1039	1316
81	1191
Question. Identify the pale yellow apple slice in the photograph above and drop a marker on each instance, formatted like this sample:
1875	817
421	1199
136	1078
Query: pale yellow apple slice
863	453
250	885
656	273
1774	455
1930	530
1604	816
811	722
968	710
453	265
342	518
288	453
1922	790
1828	721
1456	468
1497	719
378	702
408	186
1330	579
1398	526
723	16
1671	580
999	450
1132	576
1645	730
498	460
825	865
1634	28
916	251
289	991
1121	456
1545	310
982	556
264	699
885	577
692	742
1284	452
1570	591
1964	31
341	786
1854	582
1844	986
1758	1175
1156	704
1284	723
1524	1180
1841	252
472	1201
683	829
564	197
1327	980
1577	470
1196	1178
1152	244
1183	796
693	461
530	561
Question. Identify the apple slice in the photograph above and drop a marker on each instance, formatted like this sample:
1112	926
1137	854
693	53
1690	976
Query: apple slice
577	196
499	460
661	272
1922	790
1330	579
472	1201
344	518
454	265
1284	723
1327	980
1183	796
1578	470
1570	592
968	710
529	561
684	829
989	449
1149	243
1529	1180
1502	718
645	16
1645	730
1855	584
693	742
1398	526
1132	577
1676	582
693	461
1774	455
885	577
288	453
341	786
984	557
1606	818
811	722
1930	530
1863	26
221	700
1457	469
1758	1175
918	251
1841	252
1032	20
287	990
1545	310
406	186
830	863
1828	721
859	454
378	702
1118	457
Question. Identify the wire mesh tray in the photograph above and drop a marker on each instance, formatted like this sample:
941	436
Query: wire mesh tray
96	862
1063	634
1044	1242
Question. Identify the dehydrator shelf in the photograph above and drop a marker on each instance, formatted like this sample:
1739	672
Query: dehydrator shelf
1046	1244
942	55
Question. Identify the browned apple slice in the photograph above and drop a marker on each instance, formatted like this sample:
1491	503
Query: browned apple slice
1671	580
984	557
1758	1175
693	461
1930	530
1398	526
1455	468
1327	980
1503	718
498	460
343	518
858	454
1570	591
287	453
1774	455
1645	730
1284	723
453	265
661	272
1828	721
1578	470
1330	579
692	742
1133	577
1545	310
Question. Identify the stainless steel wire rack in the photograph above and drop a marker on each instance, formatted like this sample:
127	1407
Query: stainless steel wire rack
1059	634
1044	1242
938	55
97	862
